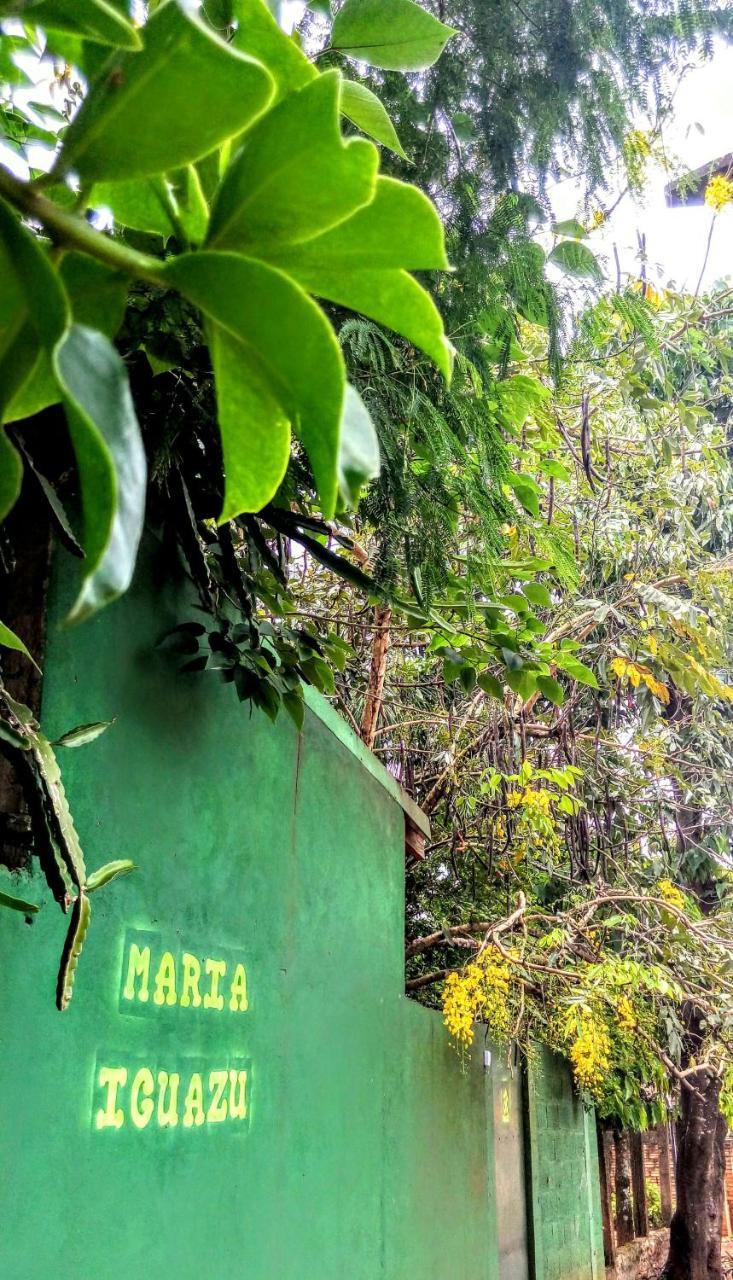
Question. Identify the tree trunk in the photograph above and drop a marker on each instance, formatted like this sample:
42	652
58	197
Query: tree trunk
624	1205
609	1240
665	1173
375	687
695	1233
638	1184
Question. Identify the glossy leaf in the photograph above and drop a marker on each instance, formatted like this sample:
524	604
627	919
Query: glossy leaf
394	34
286	339
359	448
259	35
295	177
400	228
364	109
34	309
551	689
137	118
9	640
137	204
254	428
110	871
576	669
111	462
97	297
576	259
95	20
359	265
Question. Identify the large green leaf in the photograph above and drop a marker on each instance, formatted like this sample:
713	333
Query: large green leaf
295	177
392	298
359	448
259	35
97	296
576	259
33	313
111	461
364	109
93	19
183	95
359	265
286	338
254	428
394	34
399	228
139	204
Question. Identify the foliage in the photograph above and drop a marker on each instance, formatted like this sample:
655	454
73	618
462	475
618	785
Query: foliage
601	805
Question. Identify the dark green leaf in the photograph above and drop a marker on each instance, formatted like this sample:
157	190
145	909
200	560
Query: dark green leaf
523	683
551	688
12	737
111	461
492	687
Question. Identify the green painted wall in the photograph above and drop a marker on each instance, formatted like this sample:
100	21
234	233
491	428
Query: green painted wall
564	1193
365	1151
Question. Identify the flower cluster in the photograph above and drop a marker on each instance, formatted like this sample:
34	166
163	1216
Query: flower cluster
671	894
480	991
590	1050
636	673
719	193
533	799
625	1013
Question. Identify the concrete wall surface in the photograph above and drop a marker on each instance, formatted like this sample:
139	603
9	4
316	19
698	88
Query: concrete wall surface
239	1089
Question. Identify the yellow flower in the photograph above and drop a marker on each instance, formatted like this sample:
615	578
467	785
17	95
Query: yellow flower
480	991
625	1011
671	894
590	1051
718	193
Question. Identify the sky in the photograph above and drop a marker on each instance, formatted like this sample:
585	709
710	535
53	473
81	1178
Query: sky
701	130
